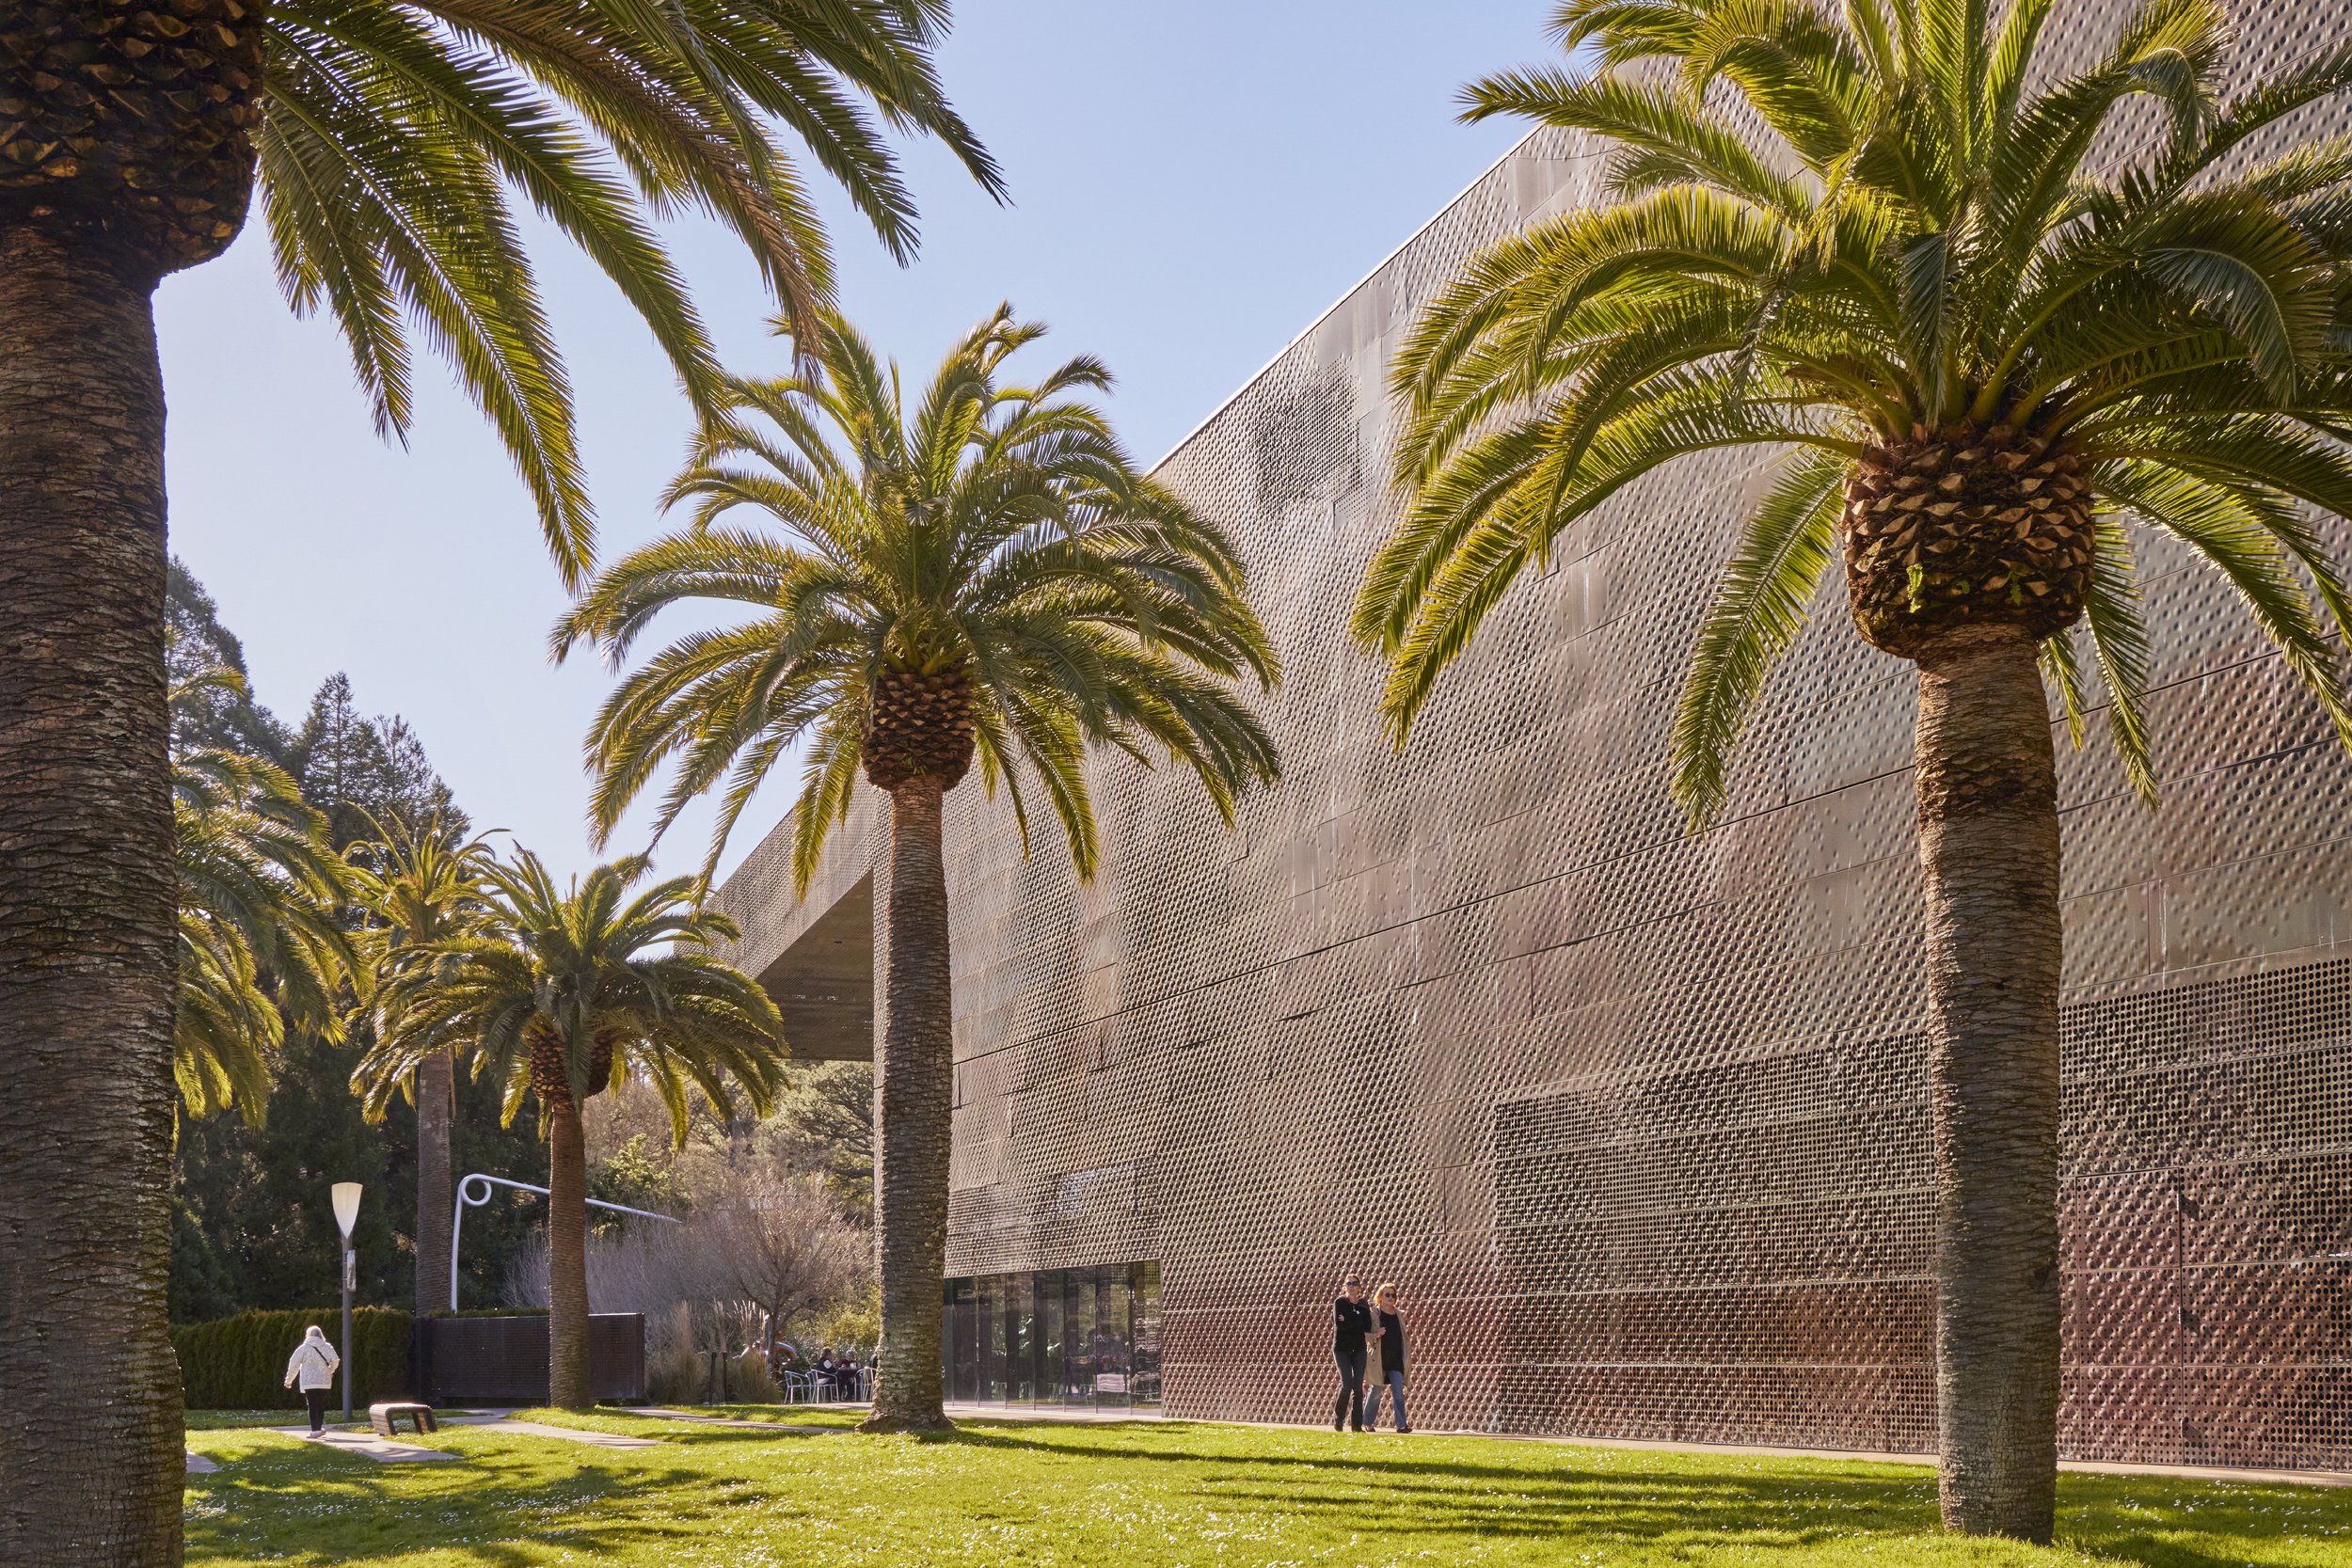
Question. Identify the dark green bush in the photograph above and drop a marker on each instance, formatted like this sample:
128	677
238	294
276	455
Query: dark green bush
240	1363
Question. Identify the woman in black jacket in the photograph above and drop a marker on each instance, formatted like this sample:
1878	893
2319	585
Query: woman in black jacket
1351	1325
1389	1325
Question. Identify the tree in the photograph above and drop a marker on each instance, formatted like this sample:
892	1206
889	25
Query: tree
1877	241
418	889
250	1226
368	775
383	138
557	995
784	1245
224	718
991	580
828	1112
260	889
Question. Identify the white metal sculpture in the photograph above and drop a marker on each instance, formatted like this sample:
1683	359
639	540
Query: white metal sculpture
471	1197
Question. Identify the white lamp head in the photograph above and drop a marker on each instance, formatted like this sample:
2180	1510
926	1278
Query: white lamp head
346	1194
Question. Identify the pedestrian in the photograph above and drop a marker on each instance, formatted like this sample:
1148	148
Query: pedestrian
1351	1321
1388	1322
314	1362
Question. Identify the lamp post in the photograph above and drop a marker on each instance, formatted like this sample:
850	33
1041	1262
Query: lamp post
346	1195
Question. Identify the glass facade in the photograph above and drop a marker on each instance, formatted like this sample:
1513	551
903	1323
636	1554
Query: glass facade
1084	1336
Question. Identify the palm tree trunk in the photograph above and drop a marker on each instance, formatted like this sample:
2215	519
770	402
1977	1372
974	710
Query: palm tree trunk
436	1087
90	1425
568	1385
1989	846
915	1092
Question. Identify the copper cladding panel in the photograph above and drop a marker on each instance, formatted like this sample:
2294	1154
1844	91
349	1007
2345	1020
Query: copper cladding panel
1636	1118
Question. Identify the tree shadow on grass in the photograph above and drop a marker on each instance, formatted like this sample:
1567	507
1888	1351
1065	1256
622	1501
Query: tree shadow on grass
1596	1496
1400	1492
2169	1521
489	1506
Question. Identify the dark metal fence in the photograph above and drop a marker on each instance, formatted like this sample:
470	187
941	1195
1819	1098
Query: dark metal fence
504	1360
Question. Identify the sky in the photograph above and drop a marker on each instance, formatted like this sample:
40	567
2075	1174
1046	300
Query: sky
1192	185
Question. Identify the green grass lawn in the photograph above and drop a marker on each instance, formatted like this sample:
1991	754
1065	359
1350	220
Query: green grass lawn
1146	1493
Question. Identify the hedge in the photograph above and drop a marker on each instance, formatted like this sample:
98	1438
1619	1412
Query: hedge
240	1363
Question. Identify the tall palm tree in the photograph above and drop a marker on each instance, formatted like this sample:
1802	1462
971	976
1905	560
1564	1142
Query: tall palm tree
988	580
383	138
419	889
559	995
260	943
1876	243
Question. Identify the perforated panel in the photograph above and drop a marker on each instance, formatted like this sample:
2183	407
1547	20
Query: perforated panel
1636	1120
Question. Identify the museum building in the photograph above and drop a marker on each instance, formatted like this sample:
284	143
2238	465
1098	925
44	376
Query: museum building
1635	1119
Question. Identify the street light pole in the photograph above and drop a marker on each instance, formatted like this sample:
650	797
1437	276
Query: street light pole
346	1196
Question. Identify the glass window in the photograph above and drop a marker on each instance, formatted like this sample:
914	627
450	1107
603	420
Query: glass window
1083	1334
1084	1337
959	1342
1052	1381
1020	1337
1110	1370
992	1378
1144	1379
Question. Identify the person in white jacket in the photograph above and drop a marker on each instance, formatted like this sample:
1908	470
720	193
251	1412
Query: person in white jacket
313	1364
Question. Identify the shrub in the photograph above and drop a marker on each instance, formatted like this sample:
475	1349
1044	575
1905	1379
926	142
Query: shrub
240	1363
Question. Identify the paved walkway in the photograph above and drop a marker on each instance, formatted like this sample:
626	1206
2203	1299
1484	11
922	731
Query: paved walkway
499	1421
960	1411
366	1444
662	1413
199	1465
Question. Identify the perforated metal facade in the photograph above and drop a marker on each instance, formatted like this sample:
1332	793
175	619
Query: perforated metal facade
1635	1119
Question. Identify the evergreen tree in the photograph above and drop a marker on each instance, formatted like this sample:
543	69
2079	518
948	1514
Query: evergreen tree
353	767
250	1224
220	716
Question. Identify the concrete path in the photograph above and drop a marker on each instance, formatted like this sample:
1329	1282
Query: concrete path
199	1465
368	1445
793	1429
962	1410
536	1429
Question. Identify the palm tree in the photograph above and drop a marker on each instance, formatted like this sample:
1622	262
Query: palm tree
1875	243
259	939
988	582
559	995
418	889
383	138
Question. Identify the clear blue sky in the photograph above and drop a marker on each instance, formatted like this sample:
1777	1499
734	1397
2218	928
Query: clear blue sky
1192	185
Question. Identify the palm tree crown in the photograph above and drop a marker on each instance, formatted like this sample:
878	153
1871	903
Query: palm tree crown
989	579
419	892
1877	238
417	887
561	993
259	940
386	139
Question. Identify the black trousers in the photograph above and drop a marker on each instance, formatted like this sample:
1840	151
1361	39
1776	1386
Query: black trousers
1350	1411
317	1398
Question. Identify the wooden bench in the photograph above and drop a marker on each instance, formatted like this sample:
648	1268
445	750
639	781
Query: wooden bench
386	1417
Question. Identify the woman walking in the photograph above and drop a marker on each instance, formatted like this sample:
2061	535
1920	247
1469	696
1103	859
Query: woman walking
1351	1324
314	1362
1391	1327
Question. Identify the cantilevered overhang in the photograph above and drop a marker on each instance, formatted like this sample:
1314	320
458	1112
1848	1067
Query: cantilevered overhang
812	953
824	983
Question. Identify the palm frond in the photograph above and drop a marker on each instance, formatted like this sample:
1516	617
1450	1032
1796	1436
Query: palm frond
1760	604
